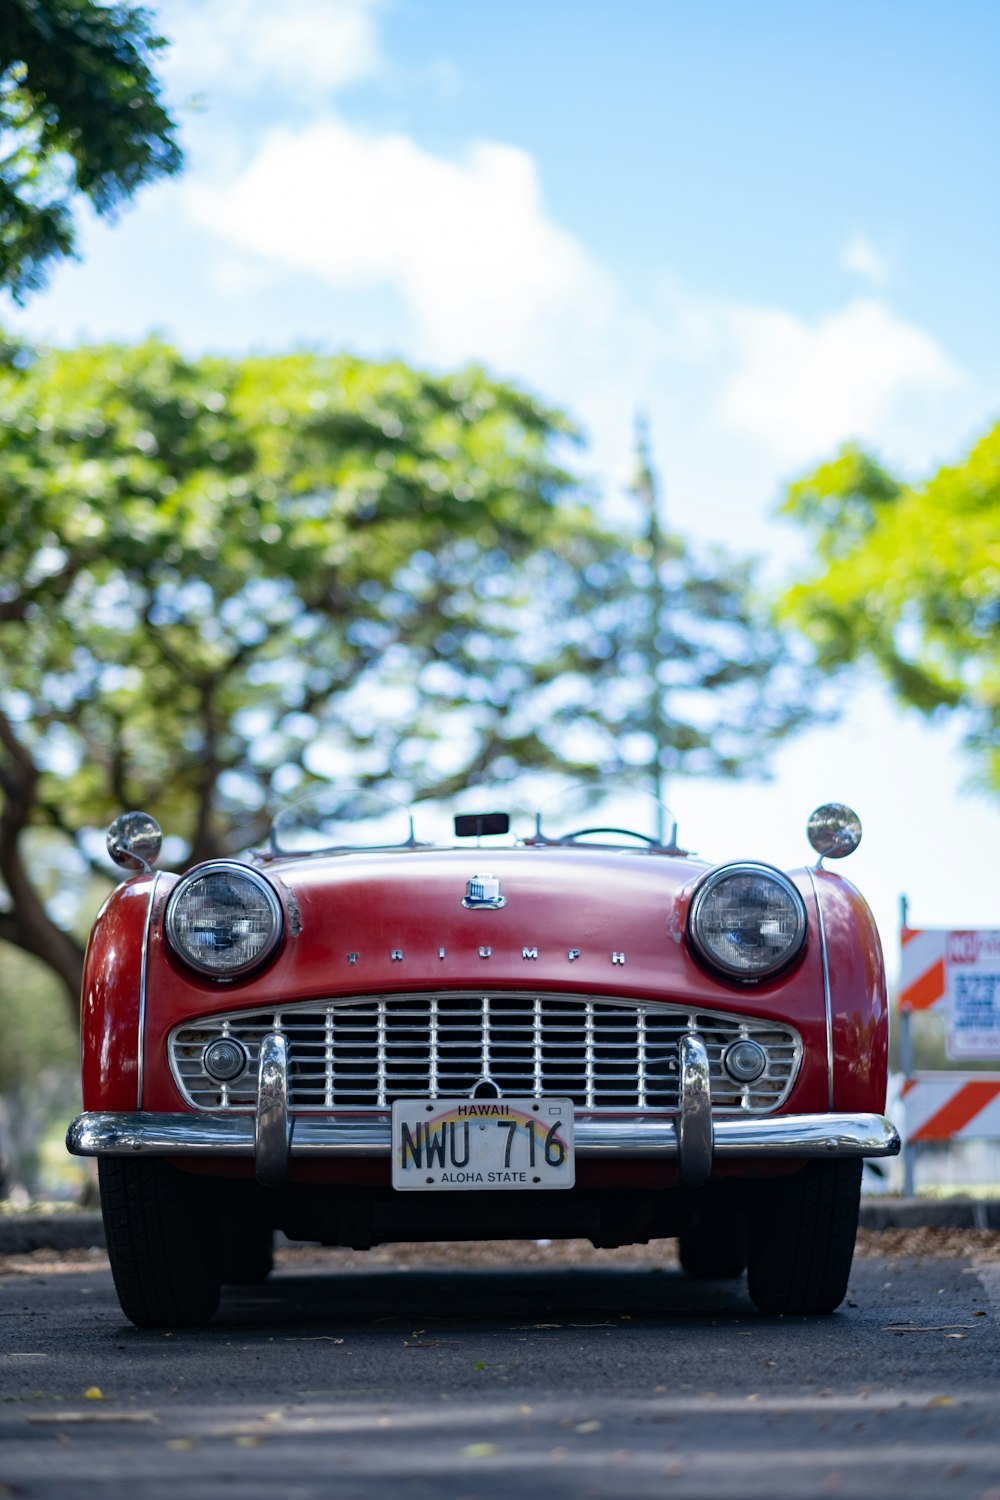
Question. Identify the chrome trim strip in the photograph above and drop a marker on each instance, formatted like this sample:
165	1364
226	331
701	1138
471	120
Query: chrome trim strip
141	1040
272	1136
694	1117
223	1134
827	997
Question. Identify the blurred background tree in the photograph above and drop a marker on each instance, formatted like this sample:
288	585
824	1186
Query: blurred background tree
909	580
80	116
223	578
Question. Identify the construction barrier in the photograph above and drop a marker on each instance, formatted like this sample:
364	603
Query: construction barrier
957	973
951	1106
921	968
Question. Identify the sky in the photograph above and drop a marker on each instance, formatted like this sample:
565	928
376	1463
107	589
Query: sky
770	227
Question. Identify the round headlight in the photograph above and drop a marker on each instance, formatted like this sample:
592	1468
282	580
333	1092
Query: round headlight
223	919
747	920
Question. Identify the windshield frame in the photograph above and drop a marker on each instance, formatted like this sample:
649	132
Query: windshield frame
580	805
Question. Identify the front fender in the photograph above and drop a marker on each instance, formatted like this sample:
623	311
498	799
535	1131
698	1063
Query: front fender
113	996
859	1010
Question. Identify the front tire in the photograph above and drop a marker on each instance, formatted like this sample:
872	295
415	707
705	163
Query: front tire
160	1243
800	1240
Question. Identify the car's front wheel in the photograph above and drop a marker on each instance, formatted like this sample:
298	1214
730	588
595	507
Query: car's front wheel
157	1221
800	1238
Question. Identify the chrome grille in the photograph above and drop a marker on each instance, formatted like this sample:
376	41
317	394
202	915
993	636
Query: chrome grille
604	1054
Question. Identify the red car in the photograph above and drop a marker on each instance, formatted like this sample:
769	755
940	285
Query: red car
357	1037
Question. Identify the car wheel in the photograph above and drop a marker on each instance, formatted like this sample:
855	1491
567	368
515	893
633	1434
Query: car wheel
714	1245
800	1239
158	1228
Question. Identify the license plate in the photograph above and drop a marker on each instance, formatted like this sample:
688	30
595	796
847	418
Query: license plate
491	1144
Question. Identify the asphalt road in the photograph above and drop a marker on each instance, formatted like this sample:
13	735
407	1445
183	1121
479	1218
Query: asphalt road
547	1373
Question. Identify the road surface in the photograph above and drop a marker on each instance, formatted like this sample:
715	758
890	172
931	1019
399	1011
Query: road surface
556	1372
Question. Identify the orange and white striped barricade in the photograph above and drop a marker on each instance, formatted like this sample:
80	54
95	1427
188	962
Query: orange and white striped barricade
951	1106
957	972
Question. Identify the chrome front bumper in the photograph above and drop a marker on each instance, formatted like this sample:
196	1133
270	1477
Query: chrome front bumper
273	1137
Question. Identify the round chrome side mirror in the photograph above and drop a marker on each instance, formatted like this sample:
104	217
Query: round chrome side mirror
134	841
834	830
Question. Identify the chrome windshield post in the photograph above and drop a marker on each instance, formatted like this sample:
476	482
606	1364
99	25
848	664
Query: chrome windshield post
272	1139
694	1120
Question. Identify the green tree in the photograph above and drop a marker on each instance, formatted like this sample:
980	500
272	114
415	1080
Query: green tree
80	114
909	580
222	578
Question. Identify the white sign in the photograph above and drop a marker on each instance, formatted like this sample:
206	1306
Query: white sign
972	988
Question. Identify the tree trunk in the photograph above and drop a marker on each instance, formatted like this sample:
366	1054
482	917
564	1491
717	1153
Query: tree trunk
34	932
25	922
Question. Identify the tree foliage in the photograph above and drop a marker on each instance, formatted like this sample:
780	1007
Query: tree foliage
910	581
223	578
80	114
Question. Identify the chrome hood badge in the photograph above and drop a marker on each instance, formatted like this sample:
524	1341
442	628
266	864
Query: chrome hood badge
483	892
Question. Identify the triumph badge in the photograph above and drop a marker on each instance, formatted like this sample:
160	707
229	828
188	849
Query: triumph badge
483	893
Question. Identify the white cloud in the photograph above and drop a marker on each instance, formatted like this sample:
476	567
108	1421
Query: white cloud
233	276
739	395
803	388
860	256
307	47
483	272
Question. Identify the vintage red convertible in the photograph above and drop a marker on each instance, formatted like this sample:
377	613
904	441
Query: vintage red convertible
359	1035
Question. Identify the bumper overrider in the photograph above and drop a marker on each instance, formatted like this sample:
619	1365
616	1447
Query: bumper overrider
274	1137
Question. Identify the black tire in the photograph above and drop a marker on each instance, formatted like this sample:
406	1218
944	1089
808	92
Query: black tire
158	1225
714	1245
800	1239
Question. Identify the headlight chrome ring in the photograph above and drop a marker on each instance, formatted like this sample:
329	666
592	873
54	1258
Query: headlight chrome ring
224	919
747	921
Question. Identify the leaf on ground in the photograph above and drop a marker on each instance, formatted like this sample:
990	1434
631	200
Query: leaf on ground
924	1328
179	1445
941	1401
94	1393
480	1450
587	1427
314	1338
60	1417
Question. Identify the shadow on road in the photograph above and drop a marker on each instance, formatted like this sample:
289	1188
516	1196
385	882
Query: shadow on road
419	1298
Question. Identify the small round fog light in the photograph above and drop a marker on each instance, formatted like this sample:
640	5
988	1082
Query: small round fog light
744	1061
225	1059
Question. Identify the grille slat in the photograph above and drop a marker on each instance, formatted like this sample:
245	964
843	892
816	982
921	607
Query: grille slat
602	1053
